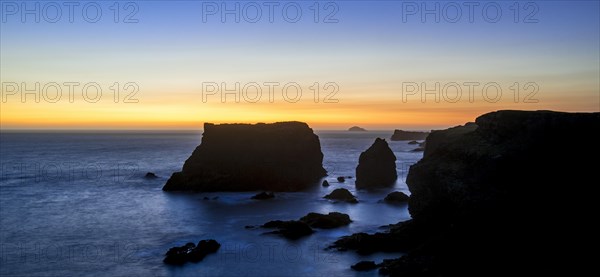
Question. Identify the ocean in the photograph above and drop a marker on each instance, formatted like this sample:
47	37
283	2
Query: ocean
77	204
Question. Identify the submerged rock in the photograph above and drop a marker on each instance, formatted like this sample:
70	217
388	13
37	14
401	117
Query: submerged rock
342	194
409	135
341	179
326	221
325	183
284	156
376	166
291	229
295	229
413	142
263	195
396	197
150	175
190	252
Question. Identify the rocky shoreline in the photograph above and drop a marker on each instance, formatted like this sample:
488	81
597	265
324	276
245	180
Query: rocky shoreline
480	197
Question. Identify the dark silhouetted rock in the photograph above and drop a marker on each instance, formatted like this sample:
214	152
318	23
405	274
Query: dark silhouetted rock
284	156
401	237
263	195
484	199
396	197
191	252
291	229
150	175
325	183
413	142
357	129
179	255
326	221
409	135
376	166
342	194
341	179
364	266
295	229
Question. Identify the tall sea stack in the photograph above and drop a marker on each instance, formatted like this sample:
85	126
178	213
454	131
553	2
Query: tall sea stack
283	156
376	166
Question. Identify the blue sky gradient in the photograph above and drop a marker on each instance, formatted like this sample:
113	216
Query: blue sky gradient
369	52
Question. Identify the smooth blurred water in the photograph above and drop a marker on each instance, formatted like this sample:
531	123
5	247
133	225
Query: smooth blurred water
77	204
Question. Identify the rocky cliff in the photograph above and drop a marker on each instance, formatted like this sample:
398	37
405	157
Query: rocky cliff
516	157
508	193
409	135
284	156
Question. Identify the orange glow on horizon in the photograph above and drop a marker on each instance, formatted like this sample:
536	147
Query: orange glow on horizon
186	111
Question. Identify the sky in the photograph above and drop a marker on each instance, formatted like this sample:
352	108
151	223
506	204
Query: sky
333	64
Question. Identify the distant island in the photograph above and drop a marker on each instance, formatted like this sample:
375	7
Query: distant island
408	135
357	129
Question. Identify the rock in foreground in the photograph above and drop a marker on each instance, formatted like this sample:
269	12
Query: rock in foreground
291	229
326	221
190	252
341	194
295	229
396	197
376	166
409	135
284	156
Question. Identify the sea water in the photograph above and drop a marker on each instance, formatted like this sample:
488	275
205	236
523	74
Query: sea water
77	204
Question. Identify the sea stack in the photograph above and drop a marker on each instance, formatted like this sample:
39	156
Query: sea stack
409	135
283	156
376	166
